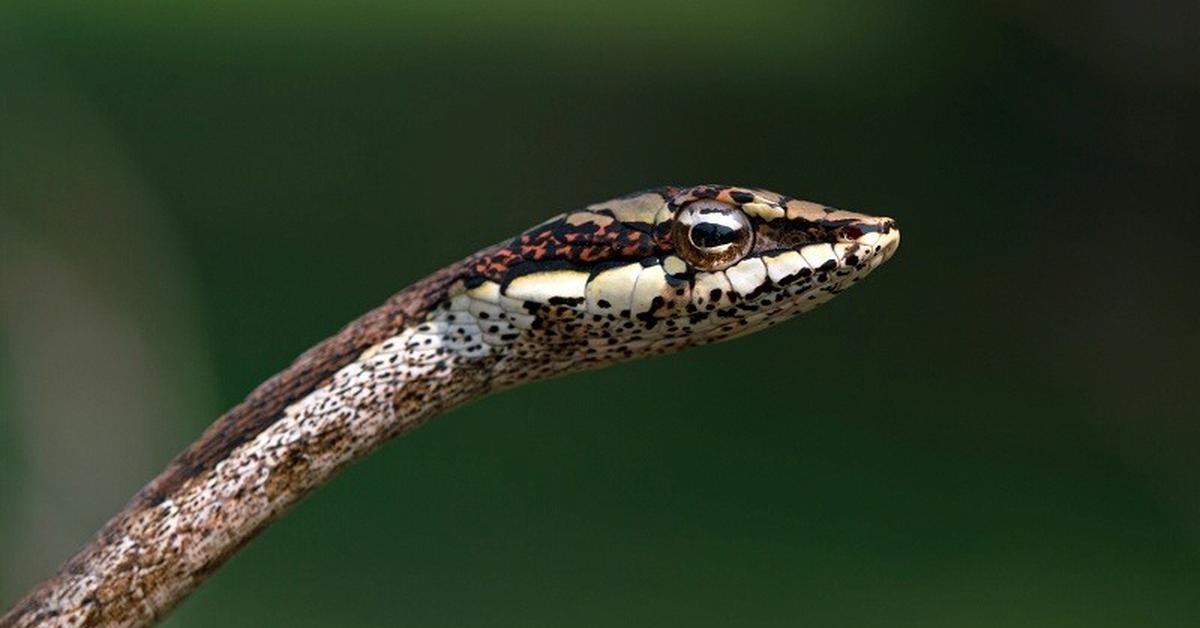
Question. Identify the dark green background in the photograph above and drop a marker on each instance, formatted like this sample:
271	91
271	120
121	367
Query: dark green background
999	428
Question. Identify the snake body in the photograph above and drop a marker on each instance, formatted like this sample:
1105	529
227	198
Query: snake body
647	273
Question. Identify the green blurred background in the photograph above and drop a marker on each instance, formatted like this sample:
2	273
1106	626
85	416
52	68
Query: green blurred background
192	193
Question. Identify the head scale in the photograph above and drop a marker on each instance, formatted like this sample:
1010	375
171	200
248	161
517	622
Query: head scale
655	271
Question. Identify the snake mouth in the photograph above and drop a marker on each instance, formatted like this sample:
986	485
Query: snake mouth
873	239
853	243
861	246
799	232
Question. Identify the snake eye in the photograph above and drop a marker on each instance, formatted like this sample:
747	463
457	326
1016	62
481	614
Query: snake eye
712	235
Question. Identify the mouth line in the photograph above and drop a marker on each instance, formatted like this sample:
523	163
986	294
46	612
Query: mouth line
843	257
791	234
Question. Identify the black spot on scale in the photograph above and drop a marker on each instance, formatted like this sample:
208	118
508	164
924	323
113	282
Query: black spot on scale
572	301
681	280
474	281
741	197
661	230
803	273
715	295
603	303
562	229
647	262
828	265
760	290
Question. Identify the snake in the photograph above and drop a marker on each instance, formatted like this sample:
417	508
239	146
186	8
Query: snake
643	274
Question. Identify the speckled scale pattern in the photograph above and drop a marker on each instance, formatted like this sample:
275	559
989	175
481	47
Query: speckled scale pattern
582	239
583	290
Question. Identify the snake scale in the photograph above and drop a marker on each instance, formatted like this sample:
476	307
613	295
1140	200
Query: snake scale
647	273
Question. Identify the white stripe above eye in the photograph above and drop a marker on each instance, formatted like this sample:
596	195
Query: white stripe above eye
728	219
641	208
763	210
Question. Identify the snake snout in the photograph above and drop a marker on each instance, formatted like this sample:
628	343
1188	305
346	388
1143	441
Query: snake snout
889	237
868	239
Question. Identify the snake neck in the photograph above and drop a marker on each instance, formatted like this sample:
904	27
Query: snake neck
386	373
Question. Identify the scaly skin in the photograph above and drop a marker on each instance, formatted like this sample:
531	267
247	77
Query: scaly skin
648	273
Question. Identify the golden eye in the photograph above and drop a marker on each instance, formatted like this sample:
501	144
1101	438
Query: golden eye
712	235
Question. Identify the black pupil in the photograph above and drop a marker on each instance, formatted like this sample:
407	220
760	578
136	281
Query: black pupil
707	235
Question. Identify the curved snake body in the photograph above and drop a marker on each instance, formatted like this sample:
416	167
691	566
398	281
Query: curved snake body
615	281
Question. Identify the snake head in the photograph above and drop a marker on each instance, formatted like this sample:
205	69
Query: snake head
761	242
659	270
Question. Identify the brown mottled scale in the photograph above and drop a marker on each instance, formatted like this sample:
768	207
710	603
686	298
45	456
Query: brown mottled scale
646	273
